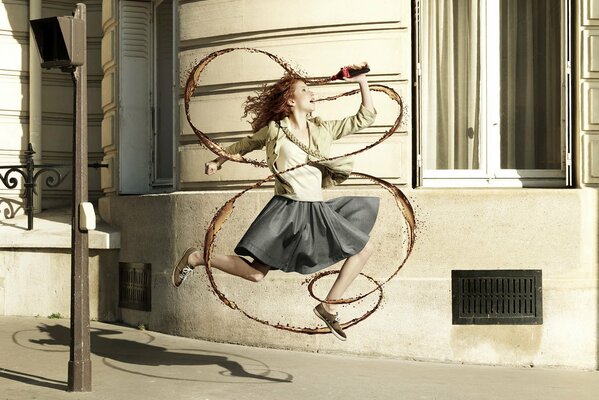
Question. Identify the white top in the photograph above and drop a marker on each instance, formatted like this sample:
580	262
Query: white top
305	181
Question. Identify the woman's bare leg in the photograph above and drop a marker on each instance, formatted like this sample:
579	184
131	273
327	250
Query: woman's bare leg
233	265
349	271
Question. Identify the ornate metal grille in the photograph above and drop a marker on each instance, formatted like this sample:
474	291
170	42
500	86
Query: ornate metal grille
30	172
511	297
135	286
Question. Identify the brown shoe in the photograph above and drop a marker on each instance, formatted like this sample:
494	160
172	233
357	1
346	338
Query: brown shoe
182	269
332	321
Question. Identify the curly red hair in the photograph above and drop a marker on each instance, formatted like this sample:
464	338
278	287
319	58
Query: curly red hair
270	102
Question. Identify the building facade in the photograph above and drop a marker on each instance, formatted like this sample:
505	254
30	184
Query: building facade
496	152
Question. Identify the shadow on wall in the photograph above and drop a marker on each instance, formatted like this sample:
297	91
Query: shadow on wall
107	344
17	59
108	284
9	207
14	100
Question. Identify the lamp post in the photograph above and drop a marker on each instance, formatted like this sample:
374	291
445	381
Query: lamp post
61	42
80	378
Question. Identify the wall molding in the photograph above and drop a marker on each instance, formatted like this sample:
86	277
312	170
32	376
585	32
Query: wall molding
302	32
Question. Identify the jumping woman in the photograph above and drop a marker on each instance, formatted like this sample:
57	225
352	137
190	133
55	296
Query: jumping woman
297	231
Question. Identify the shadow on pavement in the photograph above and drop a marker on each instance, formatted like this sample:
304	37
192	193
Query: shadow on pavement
32	379
134	352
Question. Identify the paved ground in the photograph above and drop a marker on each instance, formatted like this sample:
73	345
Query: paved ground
131	364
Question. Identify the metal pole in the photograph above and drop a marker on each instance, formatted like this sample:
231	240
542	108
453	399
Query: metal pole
29	184
79	362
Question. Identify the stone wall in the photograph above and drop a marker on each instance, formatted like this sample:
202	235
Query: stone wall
551	230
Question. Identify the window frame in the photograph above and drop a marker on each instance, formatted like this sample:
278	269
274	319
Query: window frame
490	174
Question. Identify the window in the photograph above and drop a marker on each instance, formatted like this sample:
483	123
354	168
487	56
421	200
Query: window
493	99
148	96
165	94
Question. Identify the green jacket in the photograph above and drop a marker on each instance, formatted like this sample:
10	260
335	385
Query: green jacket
322	135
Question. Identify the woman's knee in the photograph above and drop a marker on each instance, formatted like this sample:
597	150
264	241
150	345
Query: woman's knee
260	271
256	276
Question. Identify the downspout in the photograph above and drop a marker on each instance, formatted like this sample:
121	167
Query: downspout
35	98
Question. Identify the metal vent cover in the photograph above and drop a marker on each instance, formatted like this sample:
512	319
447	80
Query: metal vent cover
135	286
510	297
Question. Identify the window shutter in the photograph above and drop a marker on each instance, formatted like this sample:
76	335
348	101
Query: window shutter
134	97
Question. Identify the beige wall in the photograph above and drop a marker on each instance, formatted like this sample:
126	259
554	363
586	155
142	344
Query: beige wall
14	96
587	40
549	229
57	97
552	230
36	281
319	42
320	37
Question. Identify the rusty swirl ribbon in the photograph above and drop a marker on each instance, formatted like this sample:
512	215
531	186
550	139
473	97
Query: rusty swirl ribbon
224	212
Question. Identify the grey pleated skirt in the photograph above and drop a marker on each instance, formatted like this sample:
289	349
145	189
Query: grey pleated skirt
307	236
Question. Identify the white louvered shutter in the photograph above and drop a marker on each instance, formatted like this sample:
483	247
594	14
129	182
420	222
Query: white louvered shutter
134	97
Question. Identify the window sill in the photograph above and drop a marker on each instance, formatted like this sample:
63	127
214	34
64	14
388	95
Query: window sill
493	183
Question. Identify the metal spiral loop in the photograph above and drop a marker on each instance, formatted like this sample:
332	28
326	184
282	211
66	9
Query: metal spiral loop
53	180
11	182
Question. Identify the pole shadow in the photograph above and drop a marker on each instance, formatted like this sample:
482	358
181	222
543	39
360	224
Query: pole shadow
31	379
104	344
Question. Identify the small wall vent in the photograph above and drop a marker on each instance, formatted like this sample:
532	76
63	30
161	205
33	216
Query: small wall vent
511	297
135	286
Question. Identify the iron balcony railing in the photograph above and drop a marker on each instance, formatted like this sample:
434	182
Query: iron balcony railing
30	172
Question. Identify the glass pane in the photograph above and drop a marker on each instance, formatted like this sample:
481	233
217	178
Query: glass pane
530	84
164	91
451	84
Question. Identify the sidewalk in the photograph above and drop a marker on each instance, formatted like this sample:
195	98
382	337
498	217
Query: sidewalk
131	364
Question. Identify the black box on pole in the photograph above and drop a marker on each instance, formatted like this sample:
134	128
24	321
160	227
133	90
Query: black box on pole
60	41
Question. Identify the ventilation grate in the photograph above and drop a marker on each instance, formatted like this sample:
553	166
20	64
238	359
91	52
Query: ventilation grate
135	286
511	297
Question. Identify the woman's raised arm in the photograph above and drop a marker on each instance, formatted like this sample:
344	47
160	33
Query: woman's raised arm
364	90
